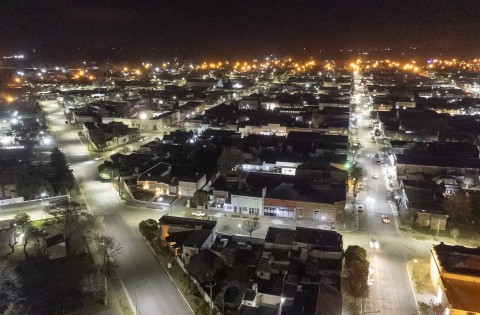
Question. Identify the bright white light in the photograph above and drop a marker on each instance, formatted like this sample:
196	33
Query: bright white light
143	115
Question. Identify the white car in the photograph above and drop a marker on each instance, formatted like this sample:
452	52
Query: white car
198	214
374	176
374	243
98	158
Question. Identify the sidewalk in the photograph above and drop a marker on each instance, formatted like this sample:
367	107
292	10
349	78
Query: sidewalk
117	303
350	224
419	273
114	293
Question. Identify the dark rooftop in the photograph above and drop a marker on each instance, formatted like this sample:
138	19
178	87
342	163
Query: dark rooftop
459	259
188	222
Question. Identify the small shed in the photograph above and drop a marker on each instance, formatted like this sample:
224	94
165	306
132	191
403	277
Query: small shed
56	246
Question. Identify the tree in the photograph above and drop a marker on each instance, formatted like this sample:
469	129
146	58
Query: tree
149	229
357	172
9	286
458	207
469	181
37	234
62	177
455	232
92	284
229	158
36	187
69	216
23	222
93	225
12	237
107	171
355	281
12	175
251	225
431	308
357	253
199	199
110	248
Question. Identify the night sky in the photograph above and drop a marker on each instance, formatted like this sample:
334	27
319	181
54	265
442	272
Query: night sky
234	29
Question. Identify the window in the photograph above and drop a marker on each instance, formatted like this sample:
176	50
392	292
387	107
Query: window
270	211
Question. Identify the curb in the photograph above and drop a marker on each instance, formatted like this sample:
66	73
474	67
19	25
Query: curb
411	283
168	274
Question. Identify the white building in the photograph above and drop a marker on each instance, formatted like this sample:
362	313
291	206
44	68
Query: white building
246	202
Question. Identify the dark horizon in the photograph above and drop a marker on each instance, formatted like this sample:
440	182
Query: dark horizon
212	30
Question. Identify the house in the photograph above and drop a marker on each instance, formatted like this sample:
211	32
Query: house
218	193
188	185
151	179
455	275
183	234
103	137
204	265
304	261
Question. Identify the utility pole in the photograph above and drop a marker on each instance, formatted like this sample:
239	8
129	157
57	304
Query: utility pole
210	286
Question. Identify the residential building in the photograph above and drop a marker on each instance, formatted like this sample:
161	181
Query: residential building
455	275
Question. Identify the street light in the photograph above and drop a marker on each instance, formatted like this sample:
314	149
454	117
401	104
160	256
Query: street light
282	300
136	302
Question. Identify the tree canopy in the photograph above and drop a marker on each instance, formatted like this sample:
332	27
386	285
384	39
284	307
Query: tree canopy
107	171
355	252
229	158
251	225
70	216
149	229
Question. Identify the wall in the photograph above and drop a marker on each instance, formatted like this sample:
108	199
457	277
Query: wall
256	203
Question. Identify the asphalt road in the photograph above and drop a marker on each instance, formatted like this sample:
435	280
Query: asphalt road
391	291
